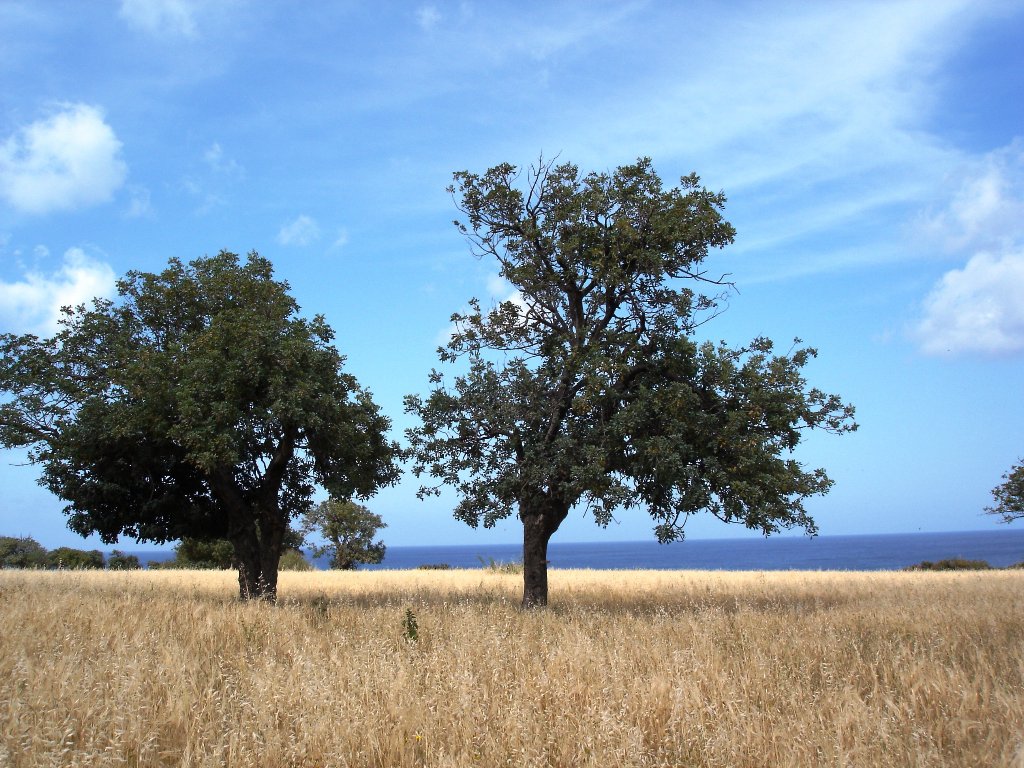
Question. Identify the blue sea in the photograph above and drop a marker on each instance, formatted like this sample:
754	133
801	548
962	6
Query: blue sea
1001	546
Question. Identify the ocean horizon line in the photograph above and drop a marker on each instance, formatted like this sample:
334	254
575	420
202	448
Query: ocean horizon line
858	552
130	547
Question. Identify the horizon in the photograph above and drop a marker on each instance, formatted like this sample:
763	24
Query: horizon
134	548
872	154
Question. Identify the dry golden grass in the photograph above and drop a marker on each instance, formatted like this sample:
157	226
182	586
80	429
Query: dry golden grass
625	669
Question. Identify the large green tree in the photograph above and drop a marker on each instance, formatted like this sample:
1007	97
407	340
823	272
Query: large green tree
1009	495
198	404
590	387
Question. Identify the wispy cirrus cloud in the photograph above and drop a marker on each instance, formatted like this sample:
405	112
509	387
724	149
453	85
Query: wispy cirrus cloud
986	209
427	16
174	17
219	162
70	159
302	230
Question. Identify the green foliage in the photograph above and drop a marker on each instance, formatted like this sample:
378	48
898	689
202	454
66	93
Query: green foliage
74	559
410	629
1009	495
591	387
199	404
21	552
433	567
163	565
216	554
219	554
293	560
119	561
951	564
349	529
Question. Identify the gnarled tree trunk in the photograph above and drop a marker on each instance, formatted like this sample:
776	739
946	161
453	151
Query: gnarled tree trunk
257	572
272	530
252	581
256	531
541	518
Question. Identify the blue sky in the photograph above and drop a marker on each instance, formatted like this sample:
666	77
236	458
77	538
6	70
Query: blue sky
872	154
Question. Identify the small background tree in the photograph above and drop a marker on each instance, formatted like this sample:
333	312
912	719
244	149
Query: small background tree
119	561
75	559
294	560
21	552
203	555
349	529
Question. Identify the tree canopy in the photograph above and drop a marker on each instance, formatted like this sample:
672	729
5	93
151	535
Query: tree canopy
198	404
591	387
22	552
1009	495
349	530
68	558
121	561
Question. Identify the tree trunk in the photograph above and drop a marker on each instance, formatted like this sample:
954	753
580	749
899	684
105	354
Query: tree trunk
540	520
248	539
250	571
258	556
535	561
257	575
271	539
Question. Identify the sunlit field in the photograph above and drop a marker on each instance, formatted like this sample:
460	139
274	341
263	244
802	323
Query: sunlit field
442	668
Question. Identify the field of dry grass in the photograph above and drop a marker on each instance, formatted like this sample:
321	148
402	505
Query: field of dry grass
625	669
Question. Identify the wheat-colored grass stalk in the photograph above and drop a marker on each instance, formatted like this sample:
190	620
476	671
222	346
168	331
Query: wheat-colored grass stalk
644	668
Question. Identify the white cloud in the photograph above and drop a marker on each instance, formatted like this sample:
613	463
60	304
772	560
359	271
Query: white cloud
342	238
140	204
977	309
218	162
427	16
987	209
499	288
302	231
69	160
33	304
176	17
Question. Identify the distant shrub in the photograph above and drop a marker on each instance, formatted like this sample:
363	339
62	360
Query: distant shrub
21	552
292	560
213	554
74	559
167	565
119	561
951	564
433	567
511	567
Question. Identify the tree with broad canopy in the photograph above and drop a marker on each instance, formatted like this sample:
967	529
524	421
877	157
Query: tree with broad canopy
200	404
589	386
